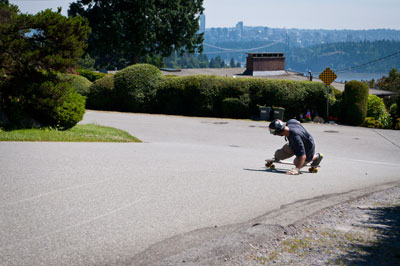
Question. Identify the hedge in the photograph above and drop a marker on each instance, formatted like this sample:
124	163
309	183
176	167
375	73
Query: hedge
142	88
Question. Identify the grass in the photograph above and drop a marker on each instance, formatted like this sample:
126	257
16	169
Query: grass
79	133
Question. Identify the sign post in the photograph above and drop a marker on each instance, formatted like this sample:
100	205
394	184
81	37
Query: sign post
327	76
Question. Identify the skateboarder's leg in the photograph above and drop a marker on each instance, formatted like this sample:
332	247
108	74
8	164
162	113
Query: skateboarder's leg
283	153
317	159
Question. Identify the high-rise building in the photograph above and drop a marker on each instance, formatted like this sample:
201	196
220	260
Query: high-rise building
202	23
239	28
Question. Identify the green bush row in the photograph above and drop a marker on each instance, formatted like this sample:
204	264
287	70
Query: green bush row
142	88
90	75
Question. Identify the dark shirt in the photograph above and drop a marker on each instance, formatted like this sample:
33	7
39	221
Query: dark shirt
300	141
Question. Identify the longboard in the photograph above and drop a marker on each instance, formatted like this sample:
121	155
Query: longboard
270	163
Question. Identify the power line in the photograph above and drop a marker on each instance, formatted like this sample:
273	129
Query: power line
228	50
368	63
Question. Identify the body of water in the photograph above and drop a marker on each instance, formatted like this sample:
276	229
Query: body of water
342	77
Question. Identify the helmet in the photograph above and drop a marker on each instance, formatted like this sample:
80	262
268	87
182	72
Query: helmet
276	127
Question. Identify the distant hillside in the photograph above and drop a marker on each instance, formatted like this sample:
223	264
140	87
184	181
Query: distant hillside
306	49
343	55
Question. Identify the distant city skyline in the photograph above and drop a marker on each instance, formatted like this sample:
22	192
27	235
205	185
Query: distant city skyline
309	14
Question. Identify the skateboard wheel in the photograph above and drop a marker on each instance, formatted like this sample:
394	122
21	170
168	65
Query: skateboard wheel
313	170
272	166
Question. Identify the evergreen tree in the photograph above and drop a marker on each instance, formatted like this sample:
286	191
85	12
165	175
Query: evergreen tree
232	63
33	48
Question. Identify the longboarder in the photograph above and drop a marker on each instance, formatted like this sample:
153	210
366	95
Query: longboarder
301	144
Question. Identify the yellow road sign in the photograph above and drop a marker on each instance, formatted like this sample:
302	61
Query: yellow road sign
327	76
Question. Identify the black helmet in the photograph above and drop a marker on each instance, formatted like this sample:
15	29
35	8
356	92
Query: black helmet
276	127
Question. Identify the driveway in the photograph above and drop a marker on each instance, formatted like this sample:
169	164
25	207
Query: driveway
109	203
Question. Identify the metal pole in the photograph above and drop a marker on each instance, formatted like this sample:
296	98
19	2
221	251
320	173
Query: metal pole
327	103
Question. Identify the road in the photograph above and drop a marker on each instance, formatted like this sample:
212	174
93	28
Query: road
107	203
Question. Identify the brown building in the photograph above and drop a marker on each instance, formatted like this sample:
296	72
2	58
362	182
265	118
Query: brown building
264	64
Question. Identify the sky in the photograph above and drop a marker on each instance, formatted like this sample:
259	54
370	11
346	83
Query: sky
300	14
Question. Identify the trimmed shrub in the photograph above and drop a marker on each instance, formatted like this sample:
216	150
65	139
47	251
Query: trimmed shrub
377	110
371	122
90	75
101	94
42	99
79	83
56	105
355	102
70	112
136	87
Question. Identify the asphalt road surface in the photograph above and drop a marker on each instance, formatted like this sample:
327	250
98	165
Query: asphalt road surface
109	203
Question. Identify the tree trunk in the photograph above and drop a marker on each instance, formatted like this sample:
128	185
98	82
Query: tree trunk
135	59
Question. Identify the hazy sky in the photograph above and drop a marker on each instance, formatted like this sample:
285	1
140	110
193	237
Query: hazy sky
302	14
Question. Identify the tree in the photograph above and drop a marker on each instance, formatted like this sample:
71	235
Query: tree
232	63
33	48
391	82
125	31
45	41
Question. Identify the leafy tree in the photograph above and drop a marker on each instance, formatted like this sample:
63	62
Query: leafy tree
125	31
391	82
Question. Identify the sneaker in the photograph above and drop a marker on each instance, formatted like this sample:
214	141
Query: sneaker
317	161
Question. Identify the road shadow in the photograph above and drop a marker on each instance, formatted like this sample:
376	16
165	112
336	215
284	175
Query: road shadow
276	170
386	250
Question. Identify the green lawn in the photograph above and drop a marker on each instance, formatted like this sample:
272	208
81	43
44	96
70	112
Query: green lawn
79	133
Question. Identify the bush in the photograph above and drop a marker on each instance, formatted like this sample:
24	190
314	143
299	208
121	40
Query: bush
136	87
79	83
101	94
70	112
56	105
355	102
393	111
372	123
90	75
42	99
377	110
